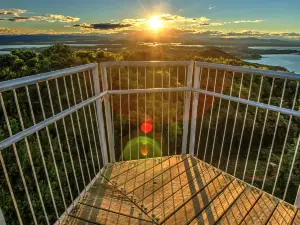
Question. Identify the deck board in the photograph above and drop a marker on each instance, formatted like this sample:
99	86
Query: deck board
262	210
176	190
296	219
220	204
178	183
167	176
240	208
196	204
283	214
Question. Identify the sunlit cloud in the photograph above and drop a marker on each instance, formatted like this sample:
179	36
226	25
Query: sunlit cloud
127	32
12	12
177	18
16	15
211	7
216	24
249	21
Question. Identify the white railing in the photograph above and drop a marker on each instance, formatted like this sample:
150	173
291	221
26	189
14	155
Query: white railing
65	109
262	102
61	128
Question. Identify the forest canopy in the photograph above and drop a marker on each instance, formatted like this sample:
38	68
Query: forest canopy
167	121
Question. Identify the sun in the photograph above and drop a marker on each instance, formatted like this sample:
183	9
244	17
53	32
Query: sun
155	23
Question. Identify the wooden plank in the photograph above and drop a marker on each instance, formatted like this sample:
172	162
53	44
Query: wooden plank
108	198
220	204
240	208
69	220
156	182
115	169
191	193
194	206
145	175
177	184
283	214
297	218
137	170
99	216
118	168
262	210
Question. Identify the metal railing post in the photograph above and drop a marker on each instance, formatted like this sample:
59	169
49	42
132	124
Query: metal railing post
108	118
2	220
187	104
100	120
194	111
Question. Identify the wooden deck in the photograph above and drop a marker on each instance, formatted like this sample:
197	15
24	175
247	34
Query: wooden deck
176	190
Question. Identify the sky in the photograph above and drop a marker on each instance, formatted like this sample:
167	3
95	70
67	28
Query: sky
197	18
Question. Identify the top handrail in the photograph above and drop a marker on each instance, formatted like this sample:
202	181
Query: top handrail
24	81
28	80
145	63
268	73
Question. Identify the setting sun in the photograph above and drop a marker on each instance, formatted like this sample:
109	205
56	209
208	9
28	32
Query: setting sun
155	23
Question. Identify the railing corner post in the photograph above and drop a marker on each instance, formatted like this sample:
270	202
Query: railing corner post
187	103
100	118
108	115
194	111
2	220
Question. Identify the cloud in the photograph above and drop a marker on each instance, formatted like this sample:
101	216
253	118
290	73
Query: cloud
60	18
14	15
249	21
104	26
6	30
13	12
211	7
18	18
177	18
169	34
135	22
216	24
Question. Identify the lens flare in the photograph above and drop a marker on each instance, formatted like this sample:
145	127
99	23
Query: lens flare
144	150
141	147
147	126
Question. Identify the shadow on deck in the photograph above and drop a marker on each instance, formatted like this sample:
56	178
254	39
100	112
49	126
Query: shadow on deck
176	190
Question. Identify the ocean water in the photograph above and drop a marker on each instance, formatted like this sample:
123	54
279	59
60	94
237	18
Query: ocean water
289	61
276	48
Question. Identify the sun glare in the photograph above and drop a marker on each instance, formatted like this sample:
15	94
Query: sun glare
155	23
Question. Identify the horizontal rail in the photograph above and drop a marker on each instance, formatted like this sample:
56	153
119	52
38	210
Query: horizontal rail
145	63
24	81
150	90
249	102
19	136
268	73
226	97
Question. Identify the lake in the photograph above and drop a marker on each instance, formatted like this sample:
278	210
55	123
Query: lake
289	61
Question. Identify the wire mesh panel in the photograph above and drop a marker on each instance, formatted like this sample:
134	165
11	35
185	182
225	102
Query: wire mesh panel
50	147
246	122
148	103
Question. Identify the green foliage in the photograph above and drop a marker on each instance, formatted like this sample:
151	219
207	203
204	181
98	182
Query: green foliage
129	112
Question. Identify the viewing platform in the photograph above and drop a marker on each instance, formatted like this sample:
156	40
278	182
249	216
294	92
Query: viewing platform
172	142
176	190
